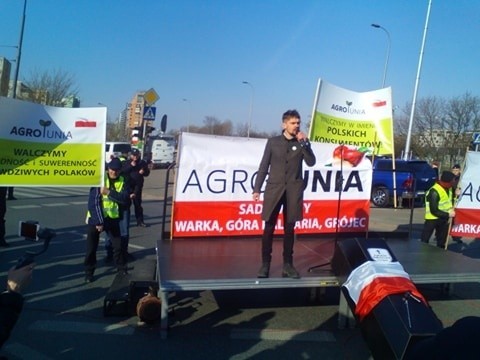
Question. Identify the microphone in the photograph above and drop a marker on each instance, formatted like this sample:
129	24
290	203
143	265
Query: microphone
303	142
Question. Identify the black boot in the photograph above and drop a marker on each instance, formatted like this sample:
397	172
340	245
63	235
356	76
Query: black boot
89	277
264	270
290	271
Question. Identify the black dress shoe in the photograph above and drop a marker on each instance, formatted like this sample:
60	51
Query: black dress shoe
264	270
142	224
290	271
88	278
122	271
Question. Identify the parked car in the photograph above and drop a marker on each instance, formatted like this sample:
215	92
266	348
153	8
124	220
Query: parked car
413	179
115	149
160	151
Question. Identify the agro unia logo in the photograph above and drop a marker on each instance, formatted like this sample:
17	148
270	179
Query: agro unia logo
348	108
41	132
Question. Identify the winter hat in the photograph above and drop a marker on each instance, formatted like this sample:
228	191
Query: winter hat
115	164
447	176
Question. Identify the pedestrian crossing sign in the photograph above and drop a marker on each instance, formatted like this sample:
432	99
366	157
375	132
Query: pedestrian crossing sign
149	113
476	138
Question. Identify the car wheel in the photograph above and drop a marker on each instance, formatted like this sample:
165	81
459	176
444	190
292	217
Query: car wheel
380	197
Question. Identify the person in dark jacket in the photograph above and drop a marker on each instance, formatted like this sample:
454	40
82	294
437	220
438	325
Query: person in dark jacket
456	191
136	170
439	209
282	161
124	218
104	215
11	300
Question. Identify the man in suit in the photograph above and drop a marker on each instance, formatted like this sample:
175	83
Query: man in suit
282	160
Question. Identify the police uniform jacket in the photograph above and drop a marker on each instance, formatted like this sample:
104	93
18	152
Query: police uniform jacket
133	173
282	161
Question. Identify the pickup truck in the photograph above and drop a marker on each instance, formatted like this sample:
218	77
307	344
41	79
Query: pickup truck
413	179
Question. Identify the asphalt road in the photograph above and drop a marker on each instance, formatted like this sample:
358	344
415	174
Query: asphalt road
63	316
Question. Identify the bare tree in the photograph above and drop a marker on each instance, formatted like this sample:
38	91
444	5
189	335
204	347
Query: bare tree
51	87
441	129
461	119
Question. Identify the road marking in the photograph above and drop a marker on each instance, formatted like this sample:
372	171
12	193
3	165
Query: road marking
20	207
24	352
82	327
282	335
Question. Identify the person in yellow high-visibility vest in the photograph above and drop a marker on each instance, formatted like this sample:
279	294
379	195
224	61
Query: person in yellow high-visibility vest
439	209
104	215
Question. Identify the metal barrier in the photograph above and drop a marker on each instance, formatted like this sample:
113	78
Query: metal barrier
165	197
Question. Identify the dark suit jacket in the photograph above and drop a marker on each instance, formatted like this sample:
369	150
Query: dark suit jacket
282	161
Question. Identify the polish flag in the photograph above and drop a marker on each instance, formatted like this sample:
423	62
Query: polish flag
85	123
372	281
379	103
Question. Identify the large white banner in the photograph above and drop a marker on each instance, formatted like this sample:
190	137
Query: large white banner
467	212
215	178
362	119
49	146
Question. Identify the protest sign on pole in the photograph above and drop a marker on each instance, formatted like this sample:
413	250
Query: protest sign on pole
362	119
467	212
50	146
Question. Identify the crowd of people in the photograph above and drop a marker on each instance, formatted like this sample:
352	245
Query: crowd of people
281	167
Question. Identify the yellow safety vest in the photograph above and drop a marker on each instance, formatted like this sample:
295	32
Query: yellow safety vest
110	208
444	203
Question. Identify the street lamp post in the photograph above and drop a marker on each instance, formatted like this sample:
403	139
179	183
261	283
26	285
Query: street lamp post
189	113
251	107
19	51
388	52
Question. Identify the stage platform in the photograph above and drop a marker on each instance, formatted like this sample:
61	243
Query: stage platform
197	264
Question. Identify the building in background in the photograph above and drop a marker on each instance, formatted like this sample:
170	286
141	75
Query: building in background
134	118
71	101
135	111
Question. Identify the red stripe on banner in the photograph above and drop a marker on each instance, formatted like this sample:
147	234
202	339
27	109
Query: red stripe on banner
381	287
379	103
85	123
466	223
213	218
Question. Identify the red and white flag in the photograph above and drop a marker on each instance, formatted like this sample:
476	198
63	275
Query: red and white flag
372	281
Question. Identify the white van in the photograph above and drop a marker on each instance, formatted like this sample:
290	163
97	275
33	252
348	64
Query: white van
160	150
115	149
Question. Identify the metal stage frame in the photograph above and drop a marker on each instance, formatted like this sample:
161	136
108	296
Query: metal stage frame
199	264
